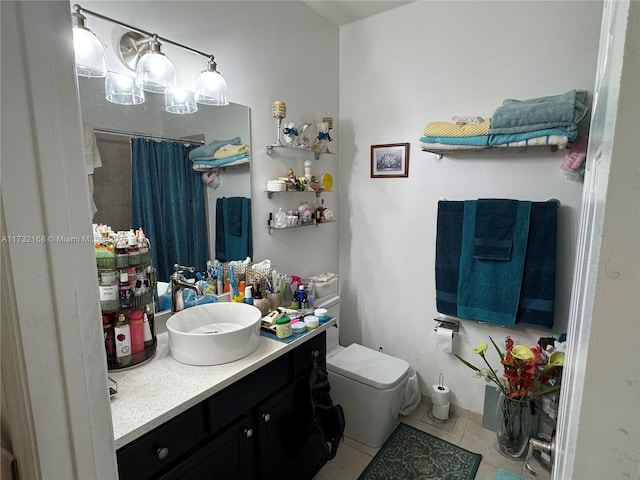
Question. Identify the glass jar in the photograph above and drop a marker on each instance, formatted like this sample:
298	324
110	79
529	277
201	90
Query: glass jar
108	288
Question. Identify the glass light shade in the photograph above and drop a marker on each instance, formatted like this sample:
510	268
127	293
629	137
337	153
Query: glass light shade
211	89
122	89
177	100
89	54
155	73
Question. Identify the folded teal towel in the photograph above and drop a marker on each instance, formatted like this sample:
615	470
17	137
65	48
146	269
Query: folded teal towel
489	291
517	116
519	137
210	162
480	140
209	149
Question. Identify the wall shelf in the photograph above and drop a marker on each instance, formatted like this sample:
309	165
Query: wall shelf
317	192
441	152
316	153
271	228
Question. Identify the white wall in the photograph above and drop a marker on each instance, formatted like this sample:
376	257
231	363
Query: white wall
423	62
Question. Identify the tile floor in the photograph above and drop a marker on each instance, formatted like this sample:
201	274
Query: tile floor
468	433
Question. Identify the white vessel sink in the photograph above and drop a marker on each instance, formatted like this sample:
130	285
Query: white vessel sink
214	333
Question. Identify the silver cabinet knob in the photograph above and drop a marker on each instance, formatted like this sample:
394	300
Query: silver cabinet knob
162	452
266	417
248	432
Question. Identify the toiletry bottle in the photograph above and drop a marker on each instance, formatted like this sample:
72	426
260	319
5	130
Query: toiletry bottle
136	328
300	296
109	336
132	249
149	320
122	332
132	275
122	256
283	327
108	288
248	298
146	328
124	290
310	295
143	247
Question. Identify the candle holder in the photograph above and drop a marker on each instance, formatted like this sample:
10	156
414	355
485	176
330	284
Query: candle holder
279	111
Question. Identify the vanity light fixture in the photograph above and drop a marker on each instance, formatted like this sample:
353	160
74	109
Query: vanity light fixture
122	89
155	72
140	51
178	100
89	54
211	87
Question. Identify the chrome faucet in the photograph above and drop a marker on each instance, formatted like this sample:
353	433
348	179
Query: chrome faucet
178	284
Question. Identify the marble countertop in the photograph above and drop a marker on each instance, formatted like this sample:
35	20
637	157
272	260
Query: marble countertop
158	390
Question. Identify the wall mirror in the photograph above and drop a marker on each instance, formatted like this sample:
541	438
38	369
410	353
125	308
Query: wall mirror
112	181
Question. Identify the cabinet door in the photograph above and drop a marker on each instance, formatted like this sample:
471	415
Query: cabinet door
283	422
229	456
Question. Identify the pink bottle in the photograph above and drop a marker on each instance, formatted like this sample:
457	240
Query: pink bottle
136	324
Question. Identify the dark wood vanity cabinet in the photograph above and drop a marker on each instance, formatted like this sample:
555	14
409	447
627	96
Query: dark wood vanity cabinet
250	430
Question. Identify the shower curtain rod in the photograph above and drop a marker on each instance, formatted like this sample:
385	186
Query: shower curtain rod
147	135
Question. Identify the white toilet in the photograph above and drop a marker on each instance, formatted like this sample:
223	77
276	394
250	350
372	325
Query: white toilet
369	385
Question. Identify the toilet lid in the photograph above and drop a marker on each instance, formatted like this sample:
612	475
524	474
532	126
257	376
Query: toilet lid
367	366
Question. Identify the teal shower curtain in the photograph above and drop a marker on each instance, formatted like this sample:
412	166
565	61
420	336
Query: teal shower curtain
167	201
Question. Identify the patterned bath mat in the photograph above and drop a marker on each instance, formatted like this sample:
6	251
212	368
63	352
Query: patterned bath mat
411	454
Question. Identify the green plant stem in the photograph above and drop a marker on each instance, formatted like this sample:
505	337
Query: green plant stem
494	377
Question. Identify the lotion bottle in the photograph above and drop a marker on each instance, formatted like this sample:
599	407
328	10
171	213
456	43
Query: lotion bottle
122	333
248	298
136	331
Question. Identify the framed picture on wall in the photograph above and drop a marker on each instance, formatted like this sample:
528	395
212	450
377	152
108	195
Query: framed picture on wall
390	160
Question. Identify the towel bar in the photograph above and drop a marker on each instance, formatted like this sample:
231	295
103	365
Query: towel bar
554	200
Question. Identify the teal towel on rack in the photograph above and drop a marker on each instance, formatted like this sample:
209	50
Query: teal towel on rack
537	295
489	291
448	244
494	229
234	240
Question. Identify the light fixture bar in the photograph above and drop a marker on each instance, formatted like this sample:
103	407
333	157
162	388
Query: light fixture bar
82	10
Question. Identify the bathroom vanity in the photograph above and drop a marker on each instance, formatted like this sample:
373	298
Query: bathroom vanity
241	420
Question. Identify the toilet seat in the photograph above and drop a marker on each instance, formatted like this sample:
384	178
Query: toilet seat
367	366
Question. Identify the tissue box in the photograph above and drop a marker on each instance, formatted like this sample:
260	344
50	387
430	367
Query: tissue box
324	285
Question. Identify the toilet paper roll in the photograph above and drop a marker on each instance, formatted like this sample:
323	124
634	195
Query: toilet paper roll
444	339
441	412
440	395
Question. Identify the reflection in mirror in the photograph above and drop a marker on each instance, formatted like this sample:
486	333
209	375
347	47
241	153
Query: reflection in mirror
115	125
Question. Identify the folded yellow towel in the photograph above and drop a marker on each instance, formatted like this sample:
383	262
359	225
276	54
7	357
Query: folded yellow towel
449	129
227	151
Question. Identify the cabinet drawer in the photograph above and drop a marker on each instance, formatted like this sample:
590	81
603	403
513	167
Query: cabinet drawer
305	354
159	448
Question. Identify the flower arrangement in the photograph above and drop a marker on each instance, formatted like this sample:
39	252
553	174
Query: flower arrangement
529	372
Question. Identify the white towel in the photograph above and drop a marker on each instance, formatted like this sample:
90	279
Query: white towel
92	160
